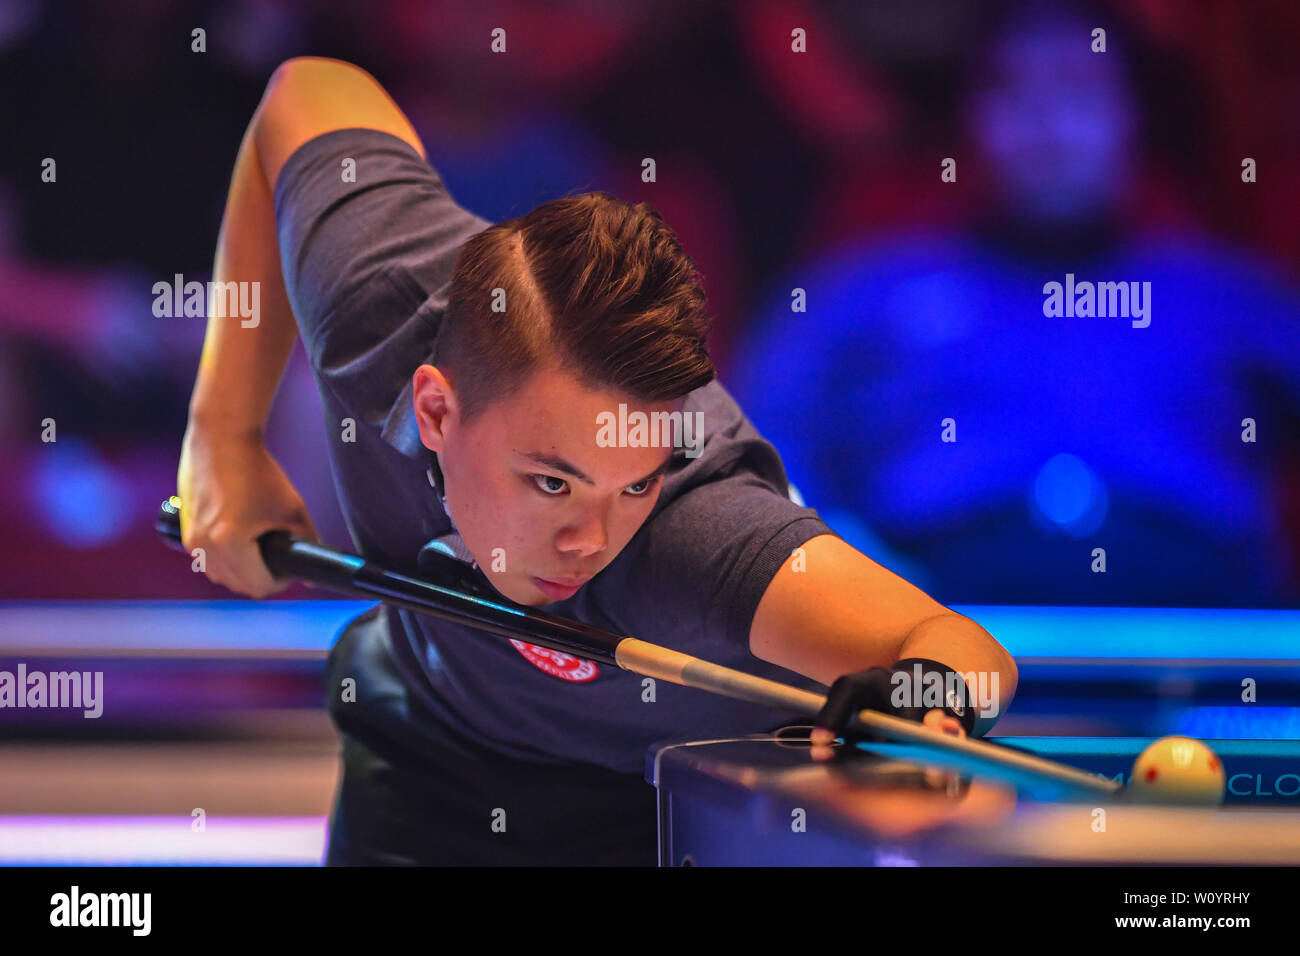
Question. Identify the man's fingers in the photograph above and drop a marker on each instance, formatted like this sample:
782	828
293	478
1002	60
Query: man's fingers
253	576
850	694
835	713
250	574
236	565
943	723
233	559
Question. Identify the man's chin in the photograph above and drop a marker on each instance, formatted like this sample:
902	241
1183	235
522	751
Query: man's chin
519	591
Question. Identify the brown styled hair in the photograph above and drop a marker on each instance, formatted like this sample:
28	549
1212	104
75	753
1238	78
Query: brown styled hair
593	283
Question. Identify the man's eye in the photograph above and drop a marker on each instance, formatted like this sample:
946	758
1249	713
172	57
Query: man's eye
549	484
640	488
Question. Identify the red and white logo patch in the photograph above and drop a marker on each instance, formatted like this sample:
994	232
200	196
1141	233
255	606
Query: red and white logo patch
556	663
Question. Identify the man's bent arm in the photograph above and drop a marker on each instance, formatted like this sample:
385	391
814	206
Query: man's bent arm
831	611
309	96
234	488
243	360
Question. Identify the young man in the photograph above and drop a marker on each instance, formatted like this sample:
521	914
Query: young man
465	370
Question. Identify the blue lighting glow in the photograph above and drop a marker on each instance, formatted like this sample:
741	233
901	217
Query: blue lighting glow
1244	721
81	498
1070	495
1128	632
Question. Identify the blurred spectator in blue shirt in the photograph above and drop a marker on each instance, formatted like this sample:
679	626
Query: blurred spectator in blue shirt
1071	433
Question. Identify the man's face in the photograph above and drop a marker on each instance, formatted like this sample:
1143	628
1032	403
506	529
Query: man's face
539	503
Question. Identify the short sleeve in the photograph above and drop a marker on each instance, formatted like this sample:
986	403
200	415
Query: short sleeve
368	235
733	534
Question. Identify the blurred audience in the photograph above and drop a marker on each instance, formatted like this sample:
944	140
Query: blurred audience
1067	433
777	169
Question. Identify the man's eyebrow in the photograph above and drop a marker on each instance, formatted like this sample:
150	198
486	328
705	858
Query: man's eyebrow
560	465
657	472
557	464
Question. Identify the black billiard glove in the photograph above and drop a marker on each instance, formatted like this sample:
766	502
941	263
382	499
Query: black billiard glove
877	689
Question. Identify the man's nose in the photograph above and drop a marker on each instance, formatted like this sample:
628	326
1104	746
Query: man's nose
585	536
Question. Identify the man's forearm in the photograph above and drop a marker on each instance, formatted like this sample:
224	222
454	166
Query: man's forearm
243	361
831	611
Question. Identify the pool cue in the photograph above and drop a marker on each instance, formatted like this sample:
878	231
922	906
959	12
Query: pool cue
288	558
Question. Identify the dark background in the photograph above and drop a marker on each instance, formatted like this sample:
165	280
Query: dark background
778	170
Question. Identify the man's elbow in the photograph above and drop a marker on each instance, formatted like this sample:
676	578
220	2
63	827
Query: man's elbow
997	688
1006	664
1009	669
299	70
1009	680
308	96
307	84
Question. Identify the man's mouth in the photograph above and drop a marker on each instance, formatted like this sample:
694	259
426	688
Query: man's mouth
559	589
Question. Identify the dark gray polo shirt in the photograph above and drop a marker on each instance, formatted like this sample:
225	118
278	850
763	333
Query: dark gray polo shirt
367	265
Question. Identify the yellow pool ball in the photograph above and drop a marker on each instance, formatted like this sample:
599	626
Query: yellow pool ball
1177	770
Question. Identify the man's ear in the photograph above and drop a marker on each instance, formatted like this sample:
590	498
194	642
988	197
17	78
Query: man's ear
435	405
